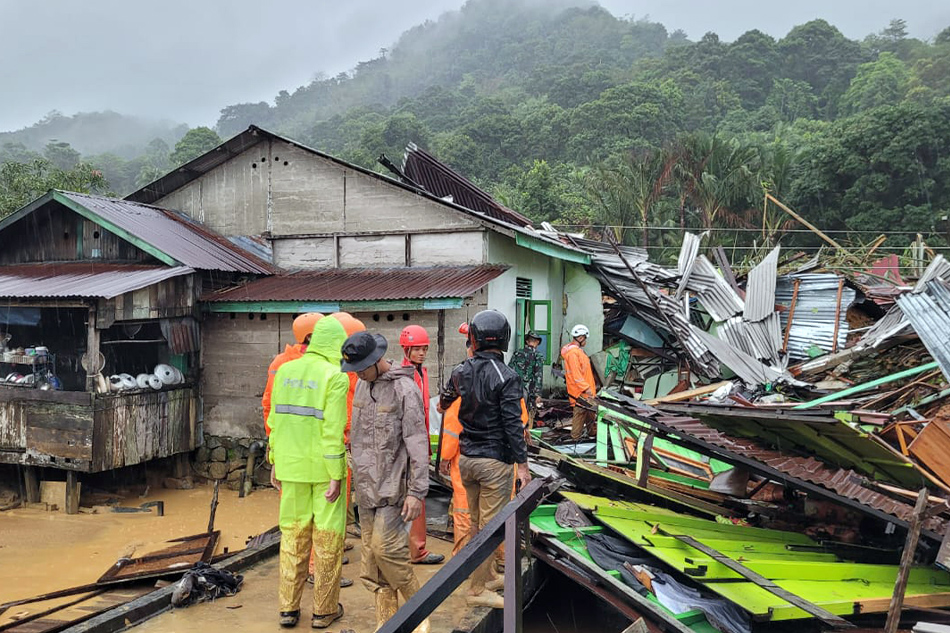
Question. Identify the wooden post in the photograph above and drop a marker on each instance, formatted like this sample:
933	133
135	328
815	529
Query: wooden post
791	314
92	350
72	492
644	452
31	482
834	337
907	559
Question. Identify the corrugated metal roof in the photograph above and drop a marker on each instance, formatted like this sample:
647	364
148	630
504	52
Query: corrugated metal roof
364	284
760	291
844	482
687	259
928	314
746	366
714	293
815	308
939	268
428	172
172	233
81	279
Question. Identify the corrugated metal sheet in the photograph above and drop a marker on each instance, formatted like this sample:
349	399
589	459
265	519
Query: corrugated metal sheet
929	314
687	259
714	293
183	334
760	291
258	246
813	322
174	234
747	367
81	279
442	181
939	268
842	481
364	284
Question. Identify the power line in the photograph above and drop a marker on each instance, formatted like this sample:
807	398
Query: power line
745	230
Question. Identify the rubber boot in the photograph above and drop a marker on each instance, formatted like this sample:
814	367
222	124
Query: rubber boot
386	605
408	591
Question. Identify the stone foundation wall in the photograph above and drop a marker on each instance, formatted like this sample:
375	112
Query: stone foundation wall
225	459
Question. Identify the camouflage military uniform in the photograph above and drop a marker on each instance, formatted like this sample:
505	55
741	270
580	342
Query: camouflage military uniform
528	363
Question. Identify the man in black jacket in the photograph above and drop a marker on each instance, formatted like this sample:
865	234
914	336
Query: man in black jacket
492	436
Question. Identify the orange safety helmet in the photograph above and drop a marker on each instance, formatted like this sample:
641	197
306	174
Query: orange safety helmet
303	325
350	323
414	336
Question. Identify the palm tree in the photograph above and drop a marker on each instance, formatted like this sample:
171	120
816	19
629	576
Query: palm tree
718	176
625	194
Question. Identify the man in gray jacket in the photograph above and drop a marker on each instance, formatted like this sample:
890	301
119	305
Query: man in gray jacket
390	466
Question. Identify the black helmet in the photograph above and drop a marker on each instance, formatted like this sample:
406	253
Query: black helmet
362	350
489	329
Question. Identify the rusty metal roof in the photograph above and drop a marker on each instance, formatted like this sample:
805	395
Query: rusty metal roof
843	482
428	172
81	279
172	233
364	284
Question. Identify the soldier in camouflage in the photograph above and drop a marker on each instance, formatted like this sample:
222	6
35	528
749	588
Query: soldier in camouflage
528	363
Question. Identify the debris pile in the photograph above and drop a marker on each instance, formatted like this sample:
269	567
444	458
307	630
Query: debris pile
774	439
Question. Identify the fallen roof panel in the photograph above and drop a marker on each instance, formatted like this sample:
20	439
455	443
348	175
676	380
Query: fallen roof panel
364	284
929	314
81	279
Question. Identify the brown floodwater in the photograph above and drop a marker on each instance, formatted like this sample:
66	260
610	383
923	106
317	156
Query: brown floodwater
44	551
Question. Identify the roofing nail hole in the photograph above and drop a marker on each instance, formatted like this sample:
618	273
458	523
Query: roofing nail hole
253	165
277	159
285	163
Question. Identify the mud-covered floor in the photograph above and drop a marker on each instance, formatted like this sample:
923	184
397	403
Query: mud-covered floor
255	607
44	551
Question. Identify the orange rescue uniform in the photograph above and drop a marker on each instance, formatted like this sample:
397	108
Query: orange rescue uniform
292	352
578	373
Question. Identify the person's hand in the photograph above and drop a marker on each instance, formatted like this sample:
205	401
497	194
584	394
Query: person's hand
524	475
333	491
273	477
537	402
439	408
445	468
411	509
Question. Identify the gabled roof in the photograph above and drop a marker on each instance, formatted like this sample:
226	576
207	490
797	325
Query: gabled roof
497	218
363	284
170	237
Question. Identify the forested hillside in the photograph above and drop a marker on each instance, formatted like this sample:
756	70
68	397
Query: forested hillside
572	115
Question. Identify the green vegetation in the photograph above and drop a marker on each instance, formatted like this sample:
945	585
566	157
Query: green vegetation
574	116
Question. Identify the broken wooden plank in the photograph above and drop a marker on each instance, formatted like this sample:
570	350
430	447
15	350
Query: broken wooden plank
813	609
687	395
907	559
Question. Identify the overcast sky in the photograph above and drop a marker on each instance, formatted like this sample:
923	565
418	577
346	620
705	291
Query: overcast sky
186	59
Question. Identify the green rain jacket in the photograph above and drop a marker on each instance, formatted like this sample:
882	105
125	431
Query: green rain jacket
308	411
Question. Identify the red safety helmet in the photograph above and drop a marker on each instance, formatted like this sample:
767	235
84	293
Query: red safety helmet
414	336
463	329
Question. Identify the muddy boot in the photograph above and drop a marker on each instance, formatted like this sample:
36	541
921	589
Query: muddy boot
407	592
386	605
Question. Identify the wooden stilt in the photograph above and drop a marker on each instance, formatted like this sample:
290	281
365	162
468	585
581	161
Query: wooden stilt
31	481
72	492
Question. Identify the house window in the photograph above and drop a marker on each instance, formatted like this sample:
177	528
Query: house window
523	288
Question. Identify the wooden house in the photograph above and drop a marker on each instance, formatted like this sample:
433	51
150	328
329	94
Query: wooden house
391	250
92	287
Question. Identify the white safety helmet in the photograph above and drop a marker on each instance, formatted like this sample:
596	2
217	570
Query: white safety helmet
579	330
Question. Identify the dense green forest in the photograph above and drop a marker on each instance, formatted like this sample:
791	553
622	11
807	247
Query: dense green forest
574	116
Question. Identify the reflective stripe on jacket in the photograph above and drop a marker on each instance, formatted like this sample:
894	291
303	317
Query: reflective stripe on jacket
292	352
308	411
578	373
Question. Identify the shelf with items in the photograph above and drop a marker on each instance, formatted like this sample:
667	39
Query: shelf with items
24	359
39	374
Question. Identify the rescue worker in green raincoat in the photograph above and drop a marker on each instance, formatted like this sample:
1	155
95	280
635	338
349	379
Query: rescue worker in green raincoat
307	419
